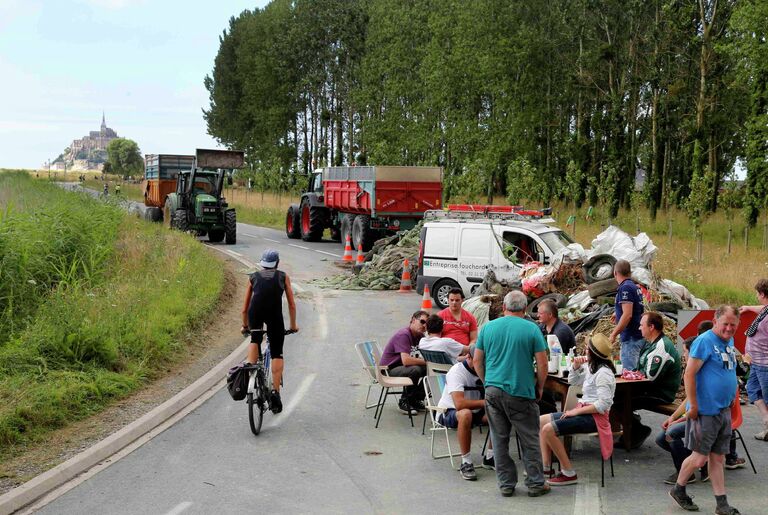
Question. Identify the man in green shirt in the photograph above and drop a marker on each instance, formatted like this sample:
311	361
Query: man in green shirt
506	350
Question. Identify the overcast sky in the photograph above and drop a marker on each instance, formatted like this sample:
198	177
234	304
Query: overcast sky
142	62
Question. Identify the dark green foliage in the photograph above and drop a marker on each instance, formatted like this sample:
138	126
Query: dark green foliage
124	157
579	90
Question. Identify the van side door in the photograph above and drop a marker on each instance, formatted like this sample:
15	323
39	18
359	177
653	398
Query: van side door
474	249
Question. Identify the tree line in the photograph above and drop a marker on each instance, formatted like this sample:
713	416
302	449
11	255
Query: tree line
537	100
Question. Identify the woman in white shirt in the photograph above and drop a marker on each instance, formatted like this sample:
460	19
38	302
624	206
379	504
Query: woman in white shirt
597	374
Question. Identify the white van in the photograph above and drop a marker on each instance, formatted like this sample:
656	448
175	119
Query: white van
456	251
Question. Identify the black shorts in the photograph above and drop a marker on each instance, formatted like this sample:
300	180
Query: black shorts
275	333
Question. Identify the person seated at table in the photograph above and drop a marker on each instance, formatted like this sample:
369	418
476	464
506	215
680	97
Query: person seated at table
596	373
550	323
434	341
661	363
465	409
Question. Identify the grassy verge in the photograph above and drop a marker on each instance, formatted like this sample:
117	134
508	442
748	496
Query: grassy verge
93	304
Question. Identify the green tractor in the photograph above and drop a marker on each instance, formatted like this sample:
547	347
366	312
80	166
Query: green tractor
197	204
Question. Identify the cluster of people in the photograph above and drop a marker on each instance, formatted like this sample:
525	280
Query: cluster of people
499	373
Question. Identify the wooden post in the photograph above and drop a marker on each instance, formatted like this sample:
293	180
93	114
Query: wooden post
730	236
574	227
746	237
699	249
637	224
765	235
669	231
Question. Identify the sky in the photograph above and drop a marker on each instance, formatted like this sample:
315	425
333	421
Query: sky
140	62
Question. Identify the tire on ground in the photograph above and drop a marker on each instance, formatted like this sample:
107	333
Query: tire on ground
665	306
604	287
179	220
593	265
362	234
230	227
293	222
311	222
533	308
440	290
347	221
215	235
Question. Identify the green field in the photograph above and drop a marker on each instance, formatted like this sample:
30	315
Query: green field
93	303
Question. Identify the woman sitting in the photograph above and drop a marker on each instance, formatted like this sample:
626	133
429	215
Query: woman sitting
589	416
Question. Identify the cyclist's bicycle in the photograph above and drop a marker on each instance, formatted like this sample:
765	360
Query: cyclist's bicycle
260	386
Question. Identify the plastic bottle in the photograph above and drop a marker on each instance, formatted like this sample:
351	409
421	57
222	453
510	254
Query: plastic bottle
569	359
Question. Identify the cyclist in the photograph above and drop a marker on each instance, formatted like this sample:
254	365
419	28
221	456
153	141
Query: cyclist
263	305
106	189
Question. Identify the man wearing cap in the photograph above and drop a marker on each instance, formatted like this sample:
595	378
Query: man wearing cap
506	350
263	305
465	409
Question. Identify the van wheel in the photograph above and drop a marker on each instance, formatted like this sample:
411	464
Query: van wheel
440	291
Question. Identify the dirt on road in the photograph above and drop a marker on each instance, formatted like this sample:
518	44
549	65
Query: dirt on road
206	348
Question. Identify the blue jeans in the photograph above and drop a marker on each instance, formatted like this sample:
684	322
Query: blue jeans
630	353
757	384
671	441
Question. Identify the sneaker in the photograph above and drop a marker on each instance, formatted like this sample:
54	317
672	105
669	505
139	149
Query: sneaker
672	479
275	403
762	435
489	463
538	491
468	471
726	510
561	480
683	500
735	463
507	491
405	408
417	405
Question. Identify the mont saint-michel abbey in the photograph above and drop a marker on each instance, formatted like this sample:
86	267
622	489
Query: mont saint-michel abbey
88	152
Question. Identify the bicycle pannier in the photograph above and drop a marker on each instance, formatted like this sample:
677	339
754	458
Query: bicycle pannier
237	382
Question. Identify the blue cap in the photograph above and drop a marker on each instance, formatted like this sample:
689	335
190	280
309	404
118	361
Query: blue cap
269	259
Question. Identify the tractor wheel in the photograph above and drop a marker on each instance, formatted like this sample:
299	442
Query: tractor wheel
215	235
179	220
167	215
230	227
346	227
311	222
362	234
293	222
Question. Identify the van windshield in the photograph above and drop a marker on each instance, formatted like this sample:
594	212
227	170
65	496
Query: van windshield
556	240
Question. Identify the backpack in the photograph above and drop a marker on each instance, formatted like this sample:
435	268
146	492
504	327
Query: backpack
237	382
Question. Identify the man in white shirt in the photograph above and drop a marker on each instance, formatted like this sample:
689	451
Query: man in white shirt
434	341
465	409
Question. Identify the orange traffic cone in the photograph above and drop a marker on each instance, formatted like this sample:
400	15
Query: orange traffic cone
348	251
426	300
405	281
360	256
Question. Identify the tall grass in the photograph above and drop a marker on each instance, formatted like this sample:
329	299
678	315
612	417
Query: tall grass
94	304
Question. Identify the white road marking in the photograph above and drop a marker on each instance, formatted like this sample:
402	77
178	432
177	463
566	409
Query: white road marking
275	241
295	400
587	501
327	253
298	246
179	508
235	253
250	235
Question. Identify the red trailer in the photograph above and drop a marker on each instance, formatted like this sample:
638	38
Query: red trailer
366	202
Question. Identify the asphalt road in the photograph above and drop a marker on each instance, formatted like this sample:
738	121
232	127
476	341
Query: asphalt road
323	455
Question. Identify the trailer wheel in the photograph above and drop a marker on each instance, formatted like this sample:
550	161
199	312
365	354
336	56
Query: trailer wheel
346	227
179	220
362	234
293	222
230	227
311	222
440	292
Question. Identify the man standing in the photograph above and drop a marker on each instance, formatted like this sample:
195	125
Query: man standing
550	323
464	410
710	386
629	309
506	349
397	357
459	323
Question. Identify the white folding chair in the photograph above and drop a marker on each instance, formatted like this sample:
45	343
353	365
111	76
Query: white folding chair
365	352
433	388
387	383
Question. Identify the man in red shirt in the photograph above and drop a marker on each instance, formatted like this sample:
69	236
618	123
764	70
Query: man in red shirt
458	323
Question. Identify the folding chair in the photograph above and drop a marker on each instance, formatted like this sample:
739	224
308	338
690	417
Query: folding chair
365	352
437	361
386	382
736	420
571	400
433	388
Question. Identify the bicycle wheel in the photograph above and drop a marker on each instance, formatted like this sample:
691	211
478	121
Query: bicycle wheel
255	412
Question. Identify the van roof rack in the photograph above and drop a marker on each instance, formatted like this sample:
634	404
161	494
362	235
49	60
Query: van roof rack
483	211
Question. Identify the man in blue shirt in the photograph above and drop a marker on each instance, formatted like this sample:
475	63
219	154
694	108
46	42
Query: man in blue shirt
710	386
629	310
506	350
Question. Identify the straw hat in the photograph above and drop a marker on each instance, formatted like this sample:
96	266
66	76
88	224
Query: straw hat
601	345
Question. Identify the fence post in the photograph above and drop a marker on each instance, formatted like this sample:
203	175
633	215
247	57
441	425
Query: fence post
699	248
746	237
669	231
730	235
765	235
637	224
